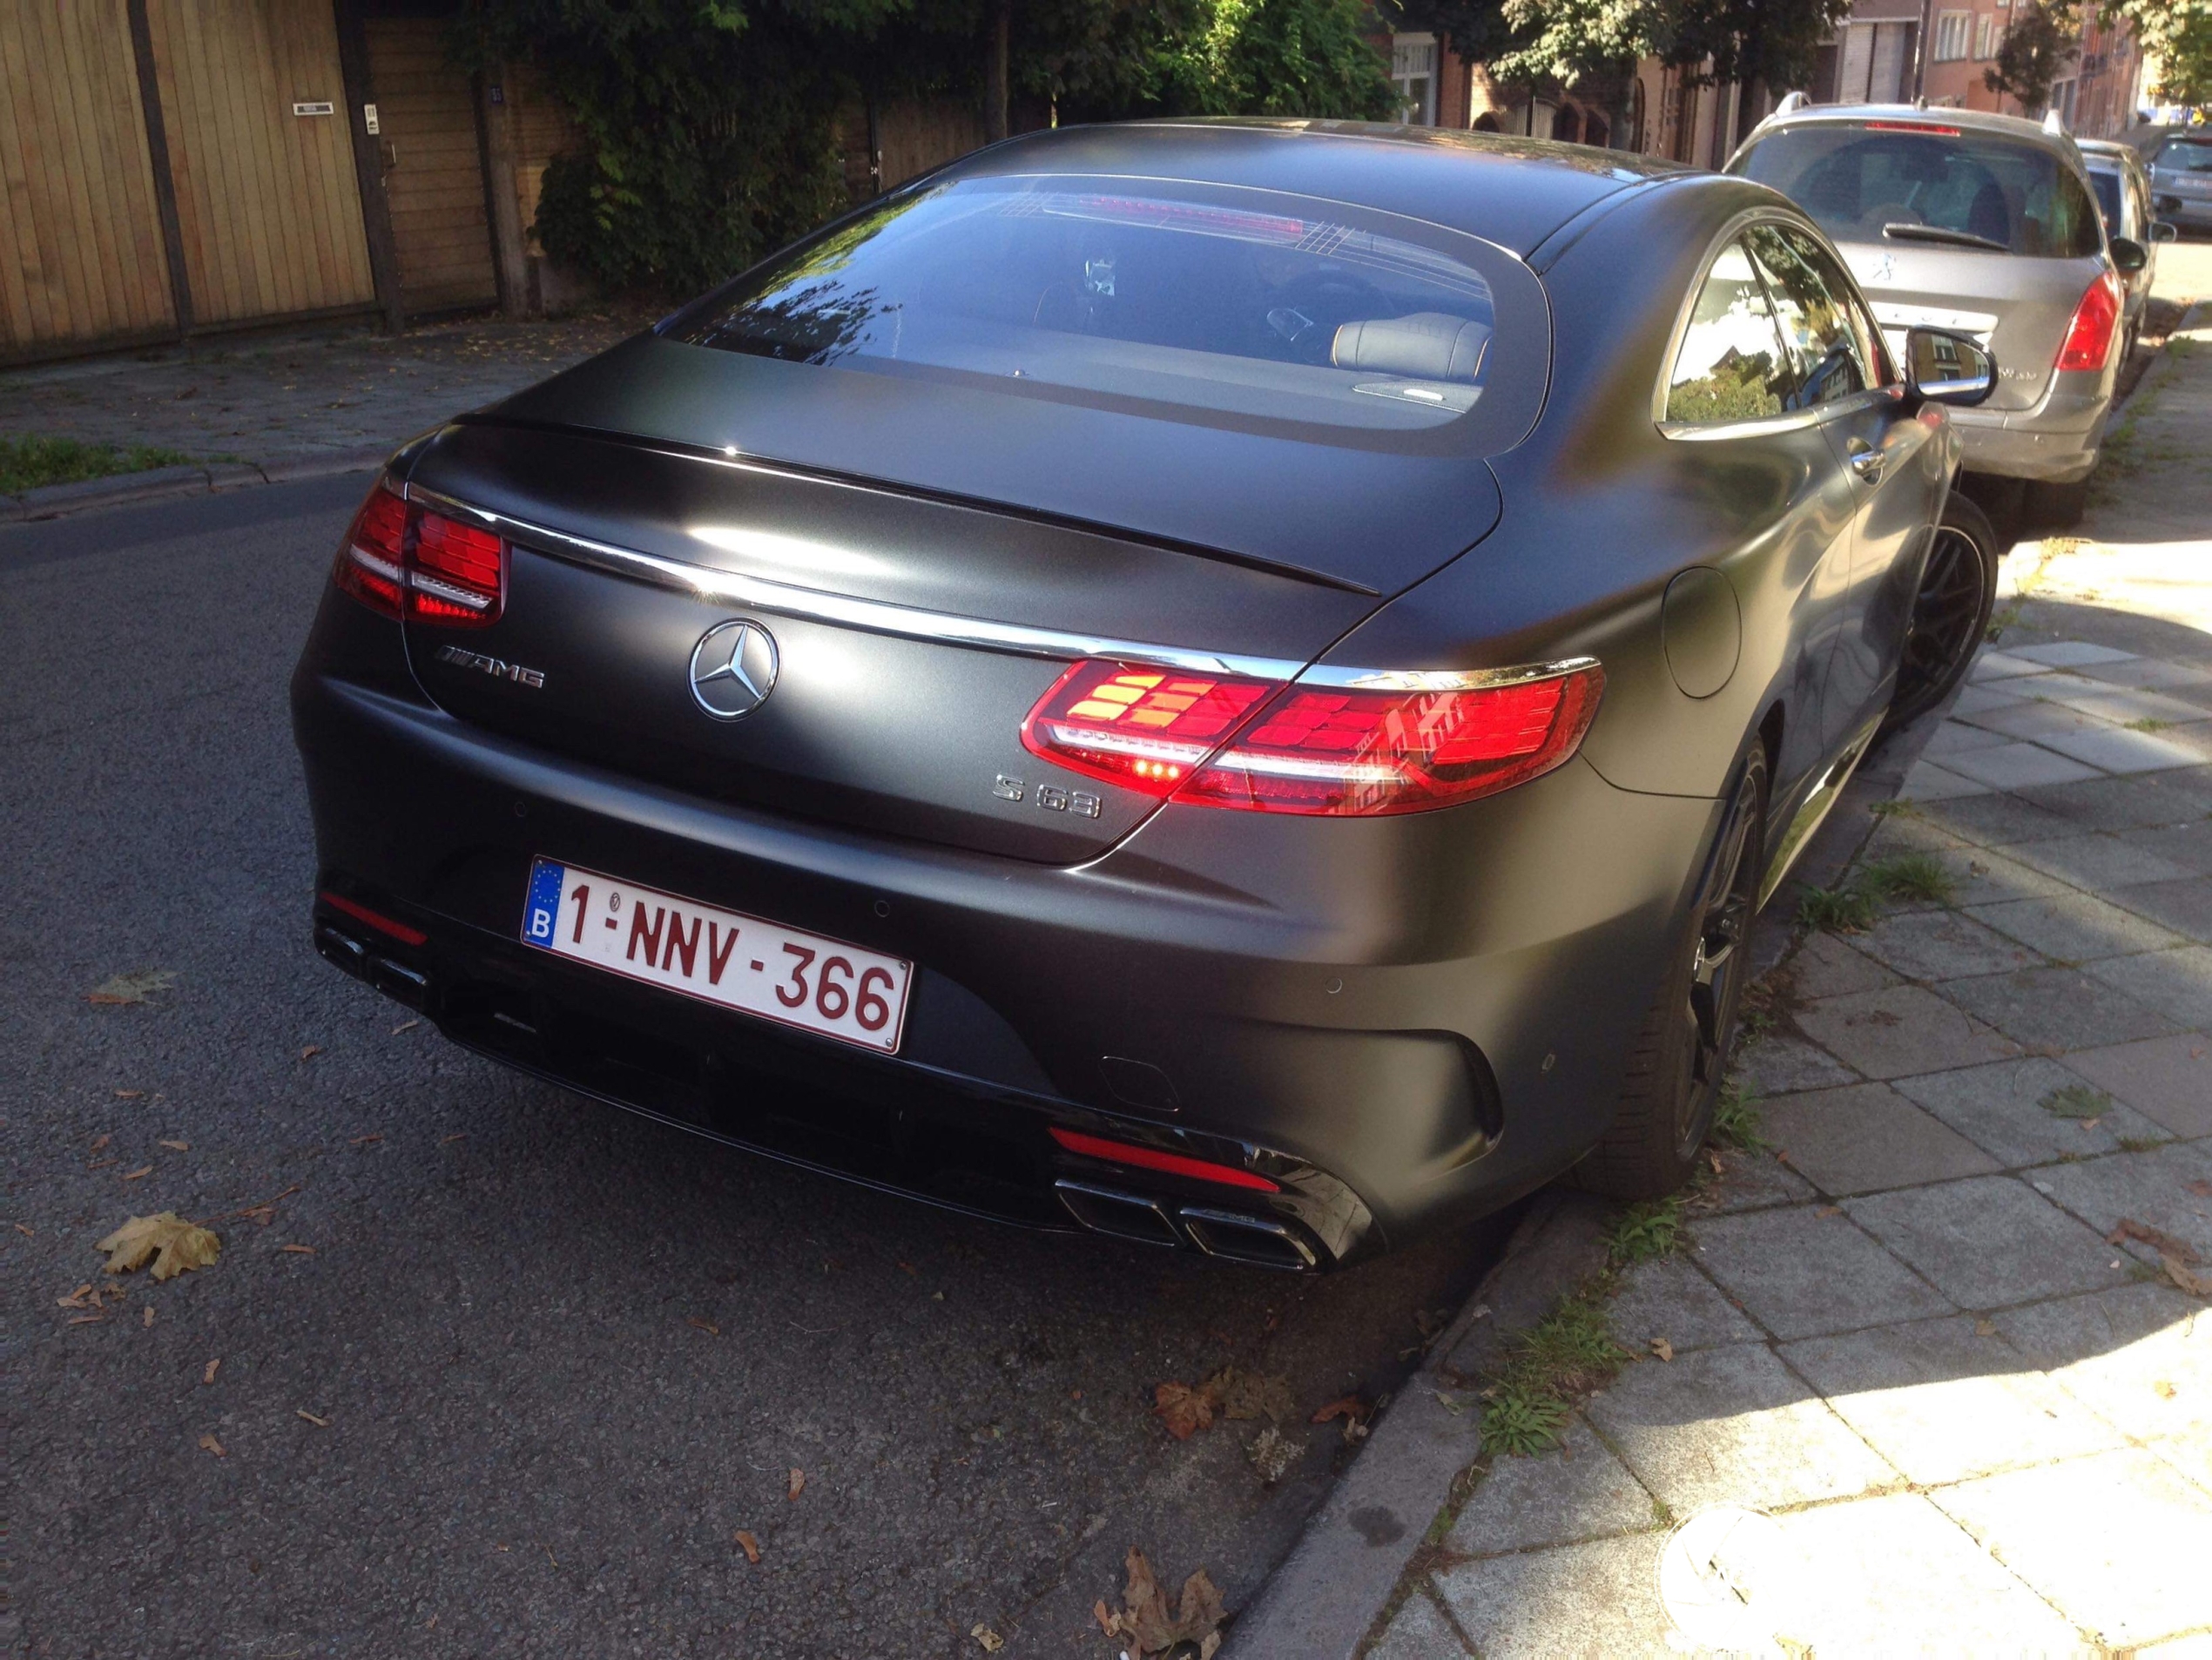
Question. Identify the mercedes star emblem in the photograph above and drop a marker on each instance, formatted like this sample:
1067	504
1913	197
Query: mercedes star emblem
734	669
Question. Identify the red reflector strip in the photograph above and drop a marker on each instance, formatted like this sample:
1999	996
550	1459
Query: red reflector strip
1123	1152
398	931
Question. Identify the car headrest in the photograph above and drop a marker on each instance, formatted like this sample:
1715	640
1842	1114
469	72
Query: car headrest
1426	346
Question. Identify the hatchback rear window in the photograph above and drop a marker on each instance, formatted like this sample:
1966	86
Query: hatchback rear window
1959	189
2186	155
1172	299
2106	184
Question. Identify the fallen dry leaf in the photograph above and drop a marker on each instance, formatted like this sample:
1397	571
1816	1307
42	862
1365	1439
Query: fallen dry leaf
265	1213
1984	1328
214	1446
132	988
750	1545
2203	1190
1343	1406
1272	1453
2164	1388
986	1639
298	1250
2196	1284
797	1484
1246	1395
24	1228
311	1051
708	1326
1183	1409
1713	1158
171	1244
1145	1619
129	1094
148	1322
208	1376
102	1164
1663	1349
320	1423
100	1142
364	1141
2164	1244
136	1175
84	1319
405	1026
178	1146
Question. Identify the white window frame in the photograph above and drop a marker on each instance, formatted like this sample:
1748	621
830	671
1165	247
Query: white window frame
1953	35
1985	35
1413	65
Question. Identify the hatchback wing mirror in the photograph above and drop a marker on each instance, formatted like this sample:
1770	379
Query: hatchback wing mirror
2164	231
1944	368
2128	256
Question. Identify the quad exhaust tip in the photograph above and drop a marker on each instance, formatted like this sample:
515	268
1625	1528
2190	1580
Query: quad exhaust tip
1233	1235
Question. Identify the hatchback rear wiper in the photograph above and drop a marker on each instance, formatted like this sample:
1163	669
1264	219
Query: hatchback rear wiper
1938	233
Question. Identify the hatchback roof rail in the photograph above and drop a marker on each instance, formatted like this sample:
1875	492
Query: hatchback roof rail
2053	124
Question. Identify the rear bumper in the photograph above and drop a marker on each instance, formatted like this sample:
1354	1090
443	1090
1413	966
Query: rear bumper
2054	443
1403	1024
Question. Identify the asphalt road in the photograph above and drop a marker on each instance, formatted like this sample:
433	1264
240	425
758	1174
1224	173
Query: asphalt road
560	1356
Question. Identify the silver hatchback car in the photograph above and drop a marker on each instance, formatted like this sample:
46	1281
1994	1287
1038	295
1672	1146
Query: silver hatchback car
2181	174
1984	225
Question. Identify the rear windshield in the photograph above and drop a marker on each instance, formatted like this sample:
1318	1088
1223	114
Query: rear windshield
2186	155
1929	187
2106	184
1165	297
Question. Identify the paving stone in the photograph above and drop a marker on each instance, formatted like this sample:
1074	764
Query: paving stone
1418	1631
2192	1456
1778	1063
2014	766
2177	983
2117	704
1945	944
1801	1274
2112	1351
1947	1399
1827	966
2035	718
2120	751
2070	654
1896	1576
1907	833
2187	845
2097	860
2055	1008
2166	1079
1669	1298
1752	1182
1988	1241
1997	818
1732	1425
2149	1186
2002	665
1975	699
1583	1492
2076	927
2000	1108
1592	1599
2148	672
1866	1137
1953	736
2120	803
2185	906
2118	1541
1983	876
1927	781
1900	1030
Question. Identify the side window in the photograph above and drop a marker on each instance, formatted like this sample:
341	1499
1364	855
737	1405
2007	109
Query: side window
1731	366
1813	300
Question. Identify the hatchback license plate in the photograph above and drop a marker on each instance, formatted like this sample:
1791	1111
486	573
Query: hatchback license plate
718	956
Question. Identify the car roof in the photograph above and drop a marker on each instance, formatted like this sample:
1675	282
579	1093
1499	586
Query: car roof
1513	192
2009	126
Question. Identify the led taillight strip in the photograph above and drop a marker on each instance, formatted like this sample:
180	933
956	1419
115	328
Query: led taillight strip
382	564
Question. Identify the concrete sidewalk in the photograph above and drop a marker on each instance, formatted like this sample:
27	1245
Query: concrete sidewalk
1933	1371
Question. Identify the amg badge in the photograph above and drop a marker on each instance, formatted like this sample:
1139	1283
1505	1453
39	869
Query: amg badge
461	657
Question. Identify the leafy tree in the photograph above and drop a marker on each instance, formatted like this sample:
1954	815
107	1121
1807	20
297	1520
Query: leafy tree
2179	34
2043	33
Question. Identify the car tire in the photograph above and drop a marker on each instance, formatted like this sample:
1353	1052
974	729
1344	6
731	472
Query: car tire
1678	1057
1950	612
2056	507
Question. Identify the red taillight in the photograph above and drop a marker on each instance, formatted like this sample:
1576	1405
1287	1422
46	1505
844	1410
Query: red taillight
1147	728
376	920
401	556
1124	1152
1410	743
2089	339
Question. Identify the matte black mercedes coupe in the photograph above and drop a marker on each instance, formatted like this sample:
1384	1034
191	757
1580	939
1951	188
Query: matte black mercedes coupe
1236	684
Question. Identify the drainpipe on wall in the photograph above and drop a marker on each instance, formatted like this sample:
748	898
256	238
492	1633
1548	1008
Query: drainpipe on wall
1921	50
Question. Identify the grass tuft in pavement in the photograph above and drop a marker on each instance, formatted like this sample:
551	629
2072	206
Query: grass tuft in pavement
2077	1100
1736	1119
1647	1232
1910	875
1567	1354
1836	910
31	461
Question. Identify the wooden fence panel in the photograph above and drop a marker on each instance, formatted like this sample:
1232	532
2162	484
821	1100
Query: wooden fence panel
266	198
432	168
80	238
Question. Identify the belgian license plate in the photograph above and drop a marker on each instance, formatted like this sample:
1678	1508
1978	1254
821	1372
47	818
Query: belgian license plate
718	956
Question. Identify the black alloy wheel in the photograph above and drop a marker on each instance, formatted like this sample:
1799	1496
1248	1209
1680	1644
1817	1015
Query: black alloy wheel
1678	1061
1950	612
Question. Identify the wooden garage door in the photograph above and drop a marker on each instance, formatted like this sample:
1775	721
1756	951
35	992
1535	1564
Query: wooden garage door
434	174
266	192
80	244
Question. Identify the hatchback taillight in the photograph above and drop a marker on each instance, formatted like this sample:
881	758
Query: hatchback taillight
401	559
2089	337
1410	743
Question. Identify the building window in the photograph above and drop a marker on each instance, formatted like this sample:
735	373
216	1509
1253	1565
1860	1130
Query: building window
1953	31
1413	70
1985	35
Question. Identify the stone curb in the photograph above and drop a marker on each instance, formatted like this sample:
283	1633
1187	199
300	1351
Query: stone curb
159	483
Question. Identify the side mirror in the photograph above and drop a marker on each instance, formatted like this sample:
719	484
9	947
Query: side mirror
1944	368
2165	231
2128	256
